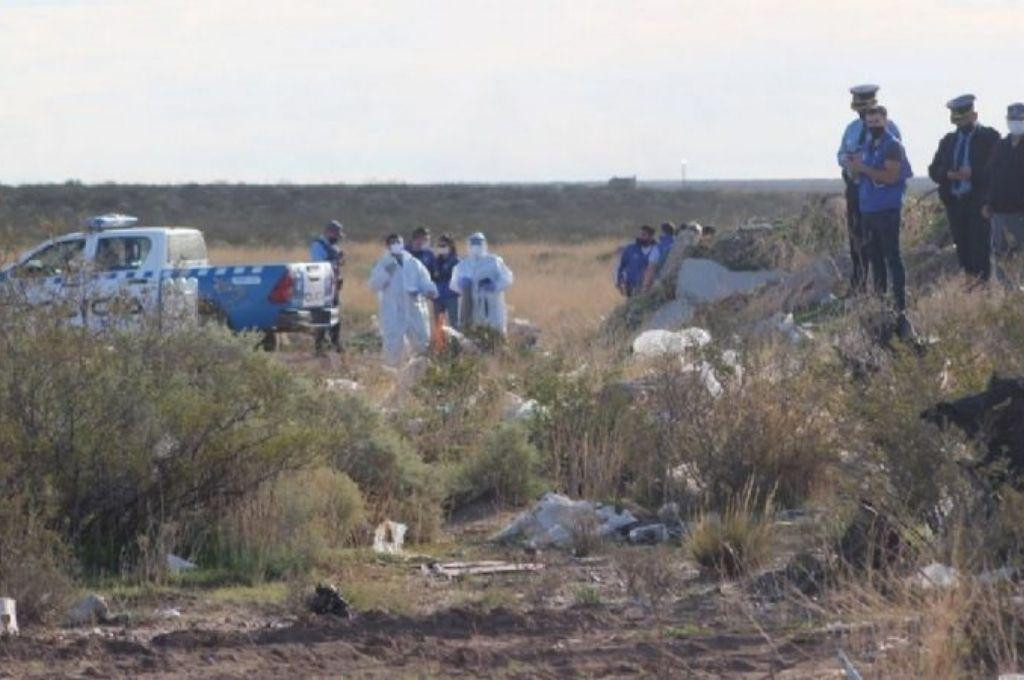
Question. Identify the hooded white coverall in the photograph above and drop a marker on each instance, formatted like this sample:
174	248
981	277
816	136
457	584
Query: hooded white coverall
401	282
486	307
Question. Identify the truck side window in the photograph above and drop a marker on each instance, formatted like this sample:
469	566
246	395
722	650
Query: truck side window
54	259
185	248
121	253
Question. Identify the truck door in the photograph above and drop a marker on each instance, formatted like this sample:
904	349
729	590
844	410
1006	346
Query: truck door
53	276
120	292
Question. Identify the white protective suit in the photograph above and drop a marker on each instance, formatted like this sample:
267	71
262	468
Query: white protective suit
403	313
481	307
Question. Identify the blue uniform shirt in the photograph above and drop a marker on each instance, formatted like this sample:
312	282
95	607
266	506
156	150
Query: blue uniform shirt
665	243
855	135
322	250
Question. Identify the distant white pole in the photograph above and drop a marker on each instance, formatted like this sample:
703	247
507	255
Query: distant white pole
684	170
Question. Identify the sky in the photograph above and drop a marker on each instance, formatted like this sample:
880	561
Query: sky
479	90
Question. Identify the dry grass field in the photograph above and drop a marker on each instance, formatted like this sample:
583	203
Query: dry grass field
558	287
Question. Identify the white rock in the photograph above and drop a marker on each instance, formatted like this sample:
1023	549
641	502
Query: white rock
657	343
90	609
702	281
176	564
936	575
8	616
389	537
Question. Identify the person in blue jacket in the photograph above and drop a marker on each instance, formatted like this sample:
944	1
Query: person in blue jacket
882	170
445	259
637	264
854	137
326	248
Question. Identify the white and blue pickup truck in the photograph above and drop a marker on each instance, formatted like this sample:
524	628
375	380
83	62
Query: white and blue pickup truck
115	265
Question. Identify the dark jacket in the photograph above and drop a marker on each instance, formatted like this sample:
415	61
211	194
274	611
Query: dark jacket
441	274
1006	177
982	142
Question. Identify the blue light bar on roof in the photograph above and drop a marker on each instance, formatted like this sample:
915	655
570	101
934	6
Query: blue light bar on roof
111	221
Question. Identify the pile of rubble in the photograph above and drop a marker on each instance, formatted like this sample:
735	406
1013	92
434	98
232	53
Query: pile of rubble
557	521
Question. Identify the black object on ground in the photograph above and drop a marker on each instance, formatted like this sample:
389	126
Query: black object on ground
327	601
994	417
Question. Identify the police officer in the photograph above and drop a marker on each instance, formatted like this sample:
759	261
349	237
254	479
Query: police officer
326	248
882	171
1004	205
854	137
960	169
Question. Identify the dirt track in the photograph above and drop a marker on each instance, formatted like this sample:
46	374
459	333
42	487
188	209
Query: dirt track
587	641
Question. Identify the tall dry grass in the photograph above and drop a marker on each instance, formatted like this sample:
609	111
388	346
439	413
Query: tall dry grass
561	288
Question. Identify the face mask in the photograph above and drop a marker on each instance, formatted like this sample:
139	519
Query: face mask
396	248
877	132
477	249
332	239
1016	127
442	250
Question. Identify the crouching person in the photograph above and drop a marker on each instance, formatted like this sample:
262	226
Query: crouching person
403	287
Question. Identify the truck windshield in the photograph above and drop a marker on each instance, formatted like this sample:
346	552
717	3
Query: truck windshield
185	248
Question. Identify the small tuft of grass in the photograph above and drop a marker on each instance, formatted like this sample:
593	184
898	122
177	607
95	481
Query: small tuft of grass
586	596
737	541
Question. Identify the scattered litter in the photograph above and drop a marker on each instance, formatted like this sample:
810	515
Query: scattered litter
649	534
936	575
458	341
8	616
168	613
706	373
343	385
176	564
389	537
517	409
90	609
455	569
555	518
785	324
657	343
1000	575
327	600
849	672
1011	676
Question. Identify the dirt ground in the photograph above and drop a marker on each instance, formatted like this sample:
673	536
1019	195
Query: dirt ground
575	618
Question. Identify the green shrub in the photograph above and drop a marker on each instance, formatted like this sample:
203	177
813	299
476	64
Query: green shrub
395	481
504	470
127	433
288	525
